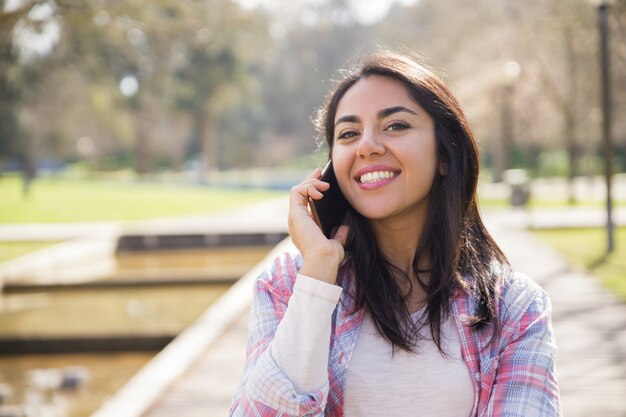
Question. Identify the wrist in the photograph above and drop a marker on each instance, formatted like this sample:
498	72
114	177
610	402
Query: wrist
321	268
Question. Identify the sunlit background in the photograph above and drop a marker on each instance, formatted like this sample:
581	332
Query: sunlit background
133	131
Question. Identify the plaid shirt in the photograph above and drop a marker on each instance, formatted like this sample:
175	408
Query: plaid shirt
513	376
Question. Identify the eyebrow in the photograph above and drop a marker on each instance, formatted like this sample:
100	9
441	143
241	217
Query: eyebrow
391	110
347	119
381	114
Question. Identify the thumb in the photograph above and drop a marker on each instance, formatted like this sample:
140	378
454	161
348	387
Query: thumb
341	234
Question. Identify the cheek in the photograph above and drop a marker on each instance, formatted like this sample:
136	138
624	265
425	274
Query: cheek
342	165
425	164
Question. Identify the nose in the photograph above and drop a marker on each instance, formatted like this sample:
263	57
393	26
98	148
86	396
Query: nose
370	144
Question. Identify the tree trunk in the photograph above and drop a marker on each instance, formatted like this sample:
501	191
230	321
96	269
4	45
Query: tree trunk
507	143
569	115
203	127
142	164
29	165
572	154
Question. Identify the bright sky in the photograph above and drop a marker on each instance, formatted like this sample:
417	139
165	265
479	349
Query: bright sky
366	11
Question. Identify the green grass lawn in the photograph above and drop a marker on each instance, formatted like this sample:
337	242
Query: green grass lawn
10	250
585	248
58	200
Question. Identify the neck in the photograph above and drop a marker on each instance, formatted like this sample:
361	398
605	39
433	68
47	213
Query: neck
398	241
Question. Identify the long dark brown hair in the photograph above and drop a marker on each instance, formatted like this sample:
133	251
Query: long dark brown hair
462	254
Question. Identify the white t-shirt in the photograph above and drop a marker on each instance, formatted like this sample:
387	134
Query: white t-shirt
408	384
423	383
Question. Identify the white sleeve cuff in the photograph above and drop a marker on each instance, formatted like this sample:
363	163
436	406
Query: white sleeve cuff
318	289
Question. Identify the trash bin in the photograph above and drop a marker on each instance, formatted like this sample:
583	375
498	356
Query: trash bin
518	181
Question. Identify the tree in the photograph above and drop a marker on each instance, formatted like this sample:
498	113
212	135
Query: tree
21	73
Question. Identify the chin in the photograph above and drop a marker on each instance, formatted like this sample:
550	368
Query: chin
372	213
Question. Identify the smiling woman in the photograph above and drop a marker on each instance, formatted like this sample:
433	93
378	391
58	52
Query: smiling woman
411	308
384	154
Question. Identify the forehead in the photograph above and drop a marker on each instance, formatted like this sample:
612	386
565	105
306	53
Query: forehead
372	93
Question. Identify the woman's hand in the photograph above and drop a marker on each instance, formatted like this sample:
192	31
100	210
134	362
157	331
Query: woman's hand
322	256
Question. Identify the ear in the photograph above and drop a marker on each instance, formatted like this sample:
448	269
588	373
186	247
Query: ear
443	168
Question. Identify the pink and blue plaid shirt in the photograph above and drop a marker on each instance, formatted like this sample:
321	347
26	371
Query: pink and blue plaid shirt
513	376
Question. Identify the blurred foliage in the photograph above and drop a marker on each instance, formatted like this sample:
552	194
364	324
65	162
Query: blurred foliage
174	84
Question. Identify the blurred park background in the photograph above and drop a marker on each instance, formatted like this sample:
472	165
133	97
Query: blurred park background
135	111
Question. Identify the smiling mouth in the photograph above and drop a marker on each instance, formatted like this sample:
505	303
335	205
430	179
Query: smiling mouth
375	176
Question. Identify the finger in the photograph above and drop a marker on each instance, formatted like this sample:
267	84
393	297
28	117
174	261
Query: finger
300	194
314	193
316	173
309	190
315	176
342	234
317	183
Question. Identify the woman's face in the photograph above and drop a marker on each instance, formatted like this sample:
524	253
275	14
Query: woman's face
384	150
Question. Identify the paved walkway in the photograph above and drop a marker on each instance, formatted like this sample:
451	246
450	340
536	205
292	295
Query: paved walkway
589	322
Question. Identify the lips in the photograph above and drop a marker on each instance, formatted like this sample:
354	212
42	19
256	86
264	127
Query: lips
375	177
374	174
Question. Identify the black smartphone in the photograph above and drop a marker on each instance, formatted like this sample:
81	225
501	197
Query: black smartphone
330	211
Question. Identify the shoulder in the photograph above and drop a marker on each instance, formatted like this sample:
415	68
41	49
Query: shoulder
521	298
279	276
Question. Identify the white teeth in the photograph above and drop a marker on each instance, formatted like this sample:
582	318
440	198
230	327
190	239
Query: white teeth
371	177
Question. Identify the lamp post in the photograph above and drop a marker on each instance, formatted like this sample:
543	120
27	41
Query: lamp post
603	25
129	87
511	73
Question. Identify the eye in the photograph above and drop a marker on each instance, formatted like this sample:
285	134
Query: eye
347	134
397	126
